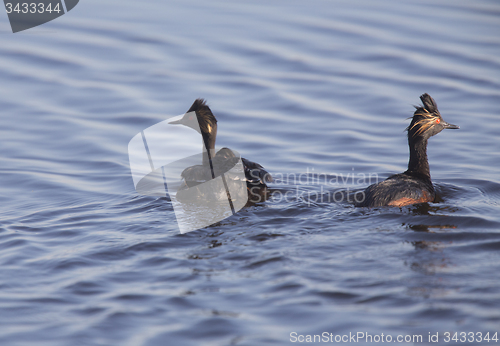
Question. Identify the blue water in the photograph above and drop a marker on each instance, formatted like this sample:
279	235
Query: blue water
302	88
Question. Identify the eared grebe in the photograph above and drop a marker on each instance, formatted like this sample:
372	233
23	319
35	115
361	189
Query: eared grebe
414	185
215	164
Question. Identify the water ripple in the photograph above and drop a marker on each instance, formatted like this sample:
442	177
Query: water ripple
303	89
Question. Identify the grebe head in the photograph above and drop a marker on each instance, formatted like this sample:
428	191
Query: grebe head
427	120
200	118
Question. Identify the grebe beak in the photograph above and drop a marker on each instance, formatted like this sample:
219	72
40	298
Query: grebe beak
449	126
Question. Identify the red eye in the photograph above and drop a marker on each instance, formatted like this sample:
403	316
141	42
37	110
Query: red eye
438	121
191	117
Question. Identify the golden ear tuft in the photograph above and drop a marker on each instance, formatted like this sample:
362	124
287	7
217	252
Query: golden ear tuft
423	124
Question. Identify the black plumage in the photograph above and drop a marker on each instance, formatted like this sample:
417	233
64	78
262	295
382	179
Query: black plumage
215	164
414	185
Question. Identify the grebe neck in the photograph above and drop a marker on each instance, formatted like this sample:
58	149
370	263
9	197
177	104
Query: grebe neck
418	157
209	148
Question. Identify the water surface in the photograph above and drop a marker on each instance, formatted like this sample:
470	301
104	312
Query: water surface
303	89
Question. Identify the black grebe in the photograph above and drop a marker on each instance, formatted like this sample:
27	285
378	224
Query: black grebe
414	185
215	164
